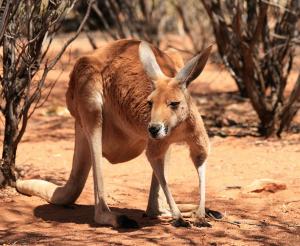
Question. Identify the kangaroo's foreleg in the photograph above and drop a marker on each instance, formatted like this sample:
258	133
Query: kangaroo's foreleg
199	159
156	157
157	204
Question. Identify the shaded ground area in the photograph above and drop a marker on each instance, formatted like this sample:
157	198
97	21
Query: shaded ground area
235	162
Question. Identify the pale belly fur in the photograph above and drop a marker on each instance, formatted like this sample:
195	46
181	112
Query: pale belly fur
120	142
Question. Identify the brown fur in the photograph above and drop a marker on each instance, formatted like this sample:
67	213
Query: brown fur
115	69
107	95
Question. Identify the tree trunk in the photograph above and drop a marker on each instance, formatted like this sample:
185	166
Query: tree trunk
7	163
268	125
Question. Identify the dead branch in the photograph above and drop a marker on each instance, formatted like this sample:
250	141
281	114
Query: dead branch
22	59
247	44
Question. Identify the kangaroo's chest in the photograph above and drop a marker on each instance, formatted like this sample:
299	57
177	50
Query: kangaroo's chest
121	141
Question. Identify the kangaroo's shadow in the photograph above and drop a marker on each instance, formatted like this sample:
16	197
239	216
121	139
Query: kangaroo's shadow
84	214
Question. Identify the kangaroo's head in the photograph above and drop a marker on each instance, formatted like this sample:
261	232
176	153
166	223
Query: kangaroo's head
169	100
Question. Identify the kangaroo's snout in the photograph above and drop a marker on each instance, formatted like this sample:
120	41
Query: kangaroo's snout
154	129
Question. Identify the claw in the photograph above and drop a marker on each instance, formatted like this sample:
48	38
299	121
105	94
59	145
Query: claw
181	223
201	222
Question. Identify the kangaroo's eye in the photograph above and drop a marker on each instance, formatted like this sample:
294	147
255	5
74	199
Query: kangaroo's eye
174	105
150	103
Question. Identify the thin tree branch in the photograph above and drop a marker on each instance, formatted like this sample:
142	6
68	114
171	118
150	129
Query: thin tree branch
70	40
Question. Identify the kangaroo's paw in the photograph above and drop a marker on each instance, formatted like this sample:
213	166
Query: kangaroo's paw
201	222
180	222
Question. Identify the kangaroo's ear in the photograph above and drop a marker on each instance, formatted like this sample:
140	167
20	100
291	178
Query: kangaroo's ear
149	62
193	68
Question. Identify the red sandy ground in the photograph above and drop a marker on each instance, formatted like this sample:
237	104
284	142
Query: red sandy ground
47	149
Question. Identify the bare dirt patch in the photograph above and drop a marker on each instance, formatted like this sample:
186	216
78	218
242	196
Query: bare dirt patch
235	162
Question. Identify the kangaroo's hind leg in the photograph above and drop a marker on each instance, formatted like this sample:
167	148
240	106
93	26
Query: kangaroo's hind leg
91	115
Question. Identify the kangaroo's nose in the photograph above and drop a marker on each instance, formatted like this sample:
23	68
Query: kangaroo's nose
154	129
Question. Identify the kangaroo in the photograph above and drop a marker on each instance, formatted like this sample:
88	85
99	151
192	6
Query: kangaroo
126	98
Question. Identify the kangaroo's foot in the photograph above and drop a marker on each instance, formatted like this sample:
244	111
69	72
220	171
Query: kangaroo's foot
201	222
115	220
191	211
180	222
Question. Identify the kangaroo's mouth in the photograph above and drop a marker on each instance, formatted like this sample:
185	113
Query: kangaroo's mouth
158	131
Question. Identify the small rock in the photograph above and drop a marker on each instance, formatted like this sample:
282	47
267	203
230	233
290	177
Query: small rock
269	185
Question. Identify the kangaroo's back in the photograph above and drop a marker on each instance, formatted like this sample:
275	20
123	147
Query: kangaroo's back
121	78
